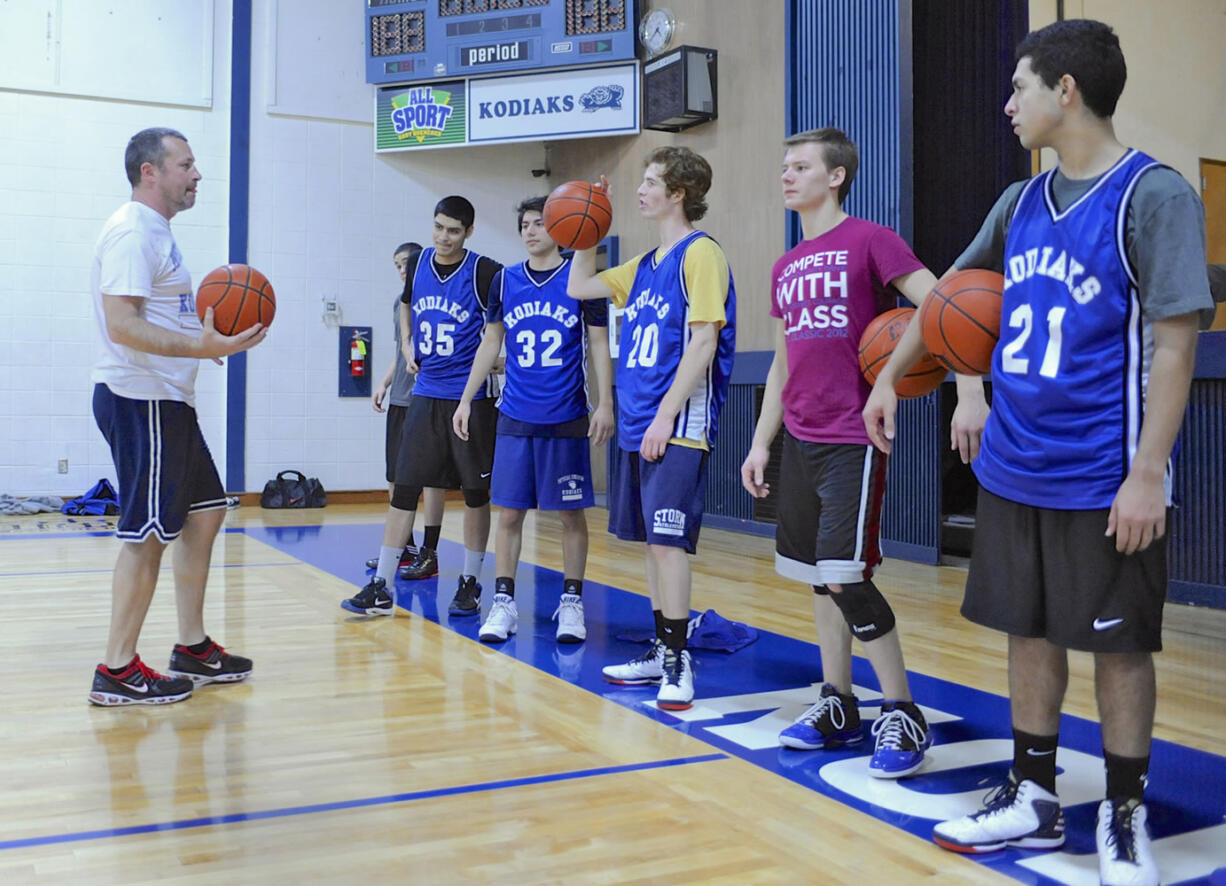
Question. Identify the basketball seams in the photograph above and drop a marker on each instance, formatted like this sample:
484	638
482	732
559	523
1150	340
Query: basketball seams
570	208
240	297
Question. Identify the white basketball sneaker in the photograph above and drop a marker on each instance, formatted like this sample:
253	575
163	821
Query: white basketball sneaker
1124	856
1023	815
502	622
646	668
570	619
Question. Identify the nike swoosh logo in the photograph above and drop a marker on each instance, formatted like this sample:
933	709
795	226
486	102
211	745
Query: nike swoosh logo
215	665
138	687
1104	624
486	474
1032	752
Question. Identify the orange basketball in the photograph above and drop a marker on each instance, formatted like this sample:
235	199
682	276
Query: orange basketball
240	297
960	320
877	344
577	215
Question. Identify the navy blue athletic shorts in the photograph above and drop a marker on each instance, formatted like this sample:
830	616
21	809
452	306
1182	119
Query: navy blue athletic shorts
164	467
660	502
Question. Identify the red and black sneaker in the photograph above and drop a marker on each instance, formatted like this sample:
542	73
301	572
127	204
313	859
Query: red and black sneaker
214	665
136	684
407	556
425	565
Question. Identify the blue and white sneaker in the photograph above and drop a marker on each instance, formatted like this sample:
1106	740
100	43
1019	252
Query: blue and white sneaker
833	722
902	737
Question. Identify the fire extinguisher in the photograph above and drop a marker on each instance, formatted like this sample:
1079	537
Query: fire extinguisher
357	357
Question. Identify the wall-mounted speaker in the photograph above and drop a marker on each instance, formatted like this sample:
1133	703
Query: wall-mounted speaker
679	89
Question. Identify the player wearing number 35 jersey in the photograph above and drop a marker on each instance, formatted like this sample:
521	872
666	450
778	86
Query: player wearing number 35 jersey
446	291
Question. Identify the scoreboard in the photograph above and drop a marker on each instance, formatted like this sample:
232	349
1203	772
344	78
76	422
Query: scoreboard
412	40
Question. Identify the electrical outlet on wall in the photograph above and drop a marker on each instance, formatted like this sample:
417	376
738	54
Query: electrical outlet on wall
62	467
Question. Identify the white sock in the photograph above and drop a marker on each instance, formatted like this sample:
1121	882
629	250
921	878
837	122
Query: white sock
473	561
389	559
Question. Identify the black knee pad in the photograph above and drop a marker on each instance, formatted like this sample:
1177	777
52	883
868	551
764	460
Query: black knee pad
404	498
821	590
476	498
867	613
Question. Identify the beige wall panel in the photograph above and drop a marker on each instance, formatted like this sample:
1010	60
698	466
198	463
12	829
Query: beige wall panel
743	147
1176	75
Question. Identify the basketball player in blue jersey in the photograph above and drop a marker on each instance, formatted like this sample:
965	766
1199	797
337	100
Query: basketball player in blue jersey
392	395
675	359
543	459
1104	261
446	292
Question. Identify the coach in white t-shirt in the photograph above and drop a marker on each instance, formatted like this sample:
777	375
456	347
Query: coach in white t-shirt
144	403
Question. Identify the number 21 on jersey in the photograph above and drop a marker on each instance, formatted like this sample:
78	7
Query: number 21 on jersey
1022	319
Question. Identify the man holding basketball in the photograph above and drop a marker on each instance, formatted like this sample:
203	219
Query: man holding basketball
675	359
144	404
1105	259
826	291
446	293
543	459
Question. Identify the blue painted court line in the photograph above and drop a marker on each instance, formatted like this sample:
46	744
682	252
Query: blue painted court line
339	805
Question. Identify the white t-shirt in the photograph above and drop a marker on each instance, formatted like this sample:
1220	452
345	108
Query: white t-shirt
136	255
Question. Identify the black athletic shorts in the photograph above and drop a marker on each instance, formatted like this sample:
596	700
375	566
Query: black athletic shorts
392	440
1038	572
432	455
829	519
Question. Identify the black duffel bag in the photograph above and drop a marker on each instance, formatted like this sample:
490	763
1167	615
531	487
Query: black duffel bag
292	489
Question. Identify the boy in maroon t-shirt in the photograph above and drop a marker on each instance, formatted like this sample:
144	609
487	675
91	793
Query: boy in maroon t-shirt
825	291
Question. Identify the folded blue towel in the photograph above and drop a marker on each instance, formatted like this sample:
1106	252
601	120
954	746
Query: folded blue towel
708	630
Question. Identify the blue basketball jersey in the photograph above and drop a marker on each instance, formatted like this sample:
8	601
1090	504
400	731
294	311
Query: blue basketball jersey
655	335
546	375
1070	370
448	321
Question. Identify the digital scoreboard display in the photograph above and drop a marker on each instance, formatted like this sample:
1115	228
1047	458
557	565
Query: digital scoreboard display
411	40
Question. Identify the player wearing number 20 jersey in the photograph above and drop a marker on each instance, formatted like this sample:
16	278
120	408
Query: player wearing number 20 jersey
659	307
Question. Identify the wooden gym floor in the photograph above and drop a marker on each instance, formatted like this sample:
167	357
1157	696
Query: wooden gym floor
401	750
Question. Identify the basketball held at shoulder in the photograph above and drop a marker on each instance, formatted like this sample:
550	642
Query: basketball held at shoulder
578	215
